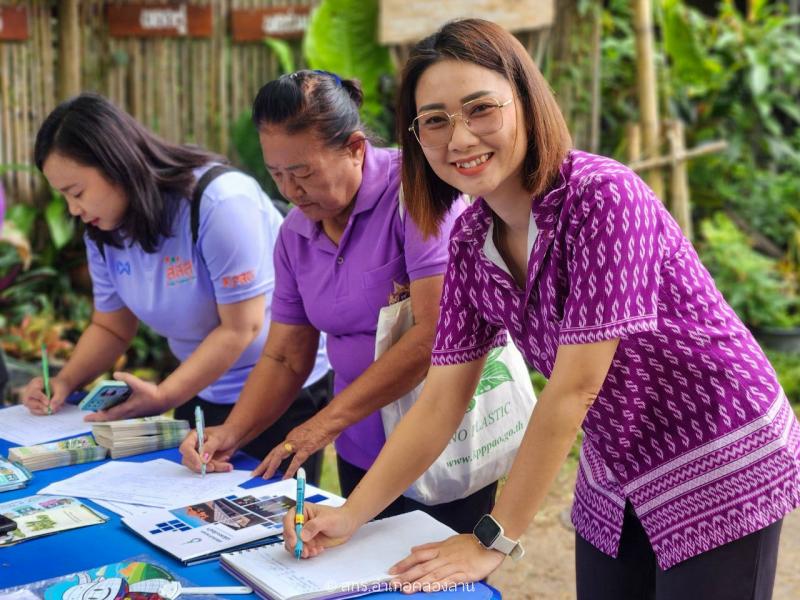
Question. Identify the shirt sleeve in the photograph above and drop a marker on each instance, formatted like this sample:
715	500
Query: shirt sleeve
428	257
462	334
614	262
287	303
236	245
104	292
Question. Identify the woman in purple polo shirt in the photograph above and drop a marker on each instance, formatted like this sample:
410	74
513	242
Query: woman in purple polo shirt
690	454
342	254
209	296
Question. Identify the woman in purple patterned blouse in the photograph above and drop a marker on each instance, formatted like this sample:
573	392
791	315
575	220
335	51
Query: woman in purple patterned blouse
689	459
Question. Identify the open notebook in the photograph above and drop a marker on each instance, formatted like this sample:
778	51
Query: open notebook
355	568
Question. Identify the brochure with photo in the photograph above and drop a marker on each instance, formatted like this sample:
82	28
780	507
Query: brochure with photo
43	515
203	530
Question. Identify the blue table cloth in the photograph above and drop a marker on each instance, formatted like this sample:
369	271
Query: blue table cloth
93	546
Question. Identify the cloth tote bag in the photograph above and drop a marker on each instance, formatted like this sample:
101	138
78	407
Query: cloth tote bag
484	444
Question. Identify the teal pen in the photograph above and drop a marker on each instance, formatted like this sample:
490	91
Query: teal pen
299	518
200	425
46	377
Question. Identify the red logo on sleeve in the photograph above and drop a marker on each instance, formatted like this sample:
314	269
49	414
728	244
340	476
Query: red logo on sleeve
234	281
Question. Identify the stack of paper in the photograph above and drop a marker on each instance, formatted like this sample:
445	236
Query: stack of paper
42	515
136	436
58	454
12	475
160	483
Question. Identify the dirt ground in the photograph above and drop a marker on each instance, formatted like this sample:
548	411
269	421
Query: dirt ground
547	572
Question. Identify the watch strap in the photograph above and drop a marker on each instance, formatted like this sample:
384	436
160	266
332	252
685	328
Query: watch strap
509	547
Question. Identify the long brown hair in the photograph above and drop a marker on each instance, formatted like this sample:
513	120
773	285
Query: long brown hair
154	173
487	45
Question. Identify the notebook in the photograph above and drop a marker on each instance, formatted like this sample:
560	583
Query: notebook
355	568
243	518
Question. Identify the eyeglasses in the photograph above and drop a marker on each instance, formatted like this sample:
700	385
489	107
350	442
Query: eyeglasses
481	116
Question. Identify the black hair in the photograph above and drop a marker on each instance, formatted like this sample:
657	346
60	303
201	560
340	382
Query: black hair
311	100
153	173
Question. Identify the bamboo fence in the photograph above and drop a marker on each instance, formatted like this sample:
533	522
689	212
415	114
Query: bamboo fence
187	90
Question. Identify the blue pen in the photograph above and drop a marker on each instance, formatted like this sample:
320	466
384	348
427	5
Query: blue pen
299	518
200	424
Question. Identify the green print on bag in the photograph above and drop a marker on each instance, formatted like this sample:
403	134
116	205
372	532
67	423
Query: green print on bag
495	373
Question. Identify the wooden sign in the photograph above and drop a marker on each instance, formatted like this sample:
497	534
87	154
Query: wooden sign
13	23
253	25
159	20
407	21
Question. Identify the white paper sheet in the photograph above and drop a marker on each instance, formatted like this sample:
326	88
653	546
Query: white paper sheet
19	426
159	482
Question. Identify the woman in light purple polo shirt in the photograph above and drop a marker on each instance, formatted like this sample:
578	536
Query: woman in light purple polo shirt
690	454
342	254
209	296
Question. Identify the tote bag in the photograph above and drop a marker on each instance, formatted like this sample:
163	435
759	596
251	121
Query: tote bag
484	445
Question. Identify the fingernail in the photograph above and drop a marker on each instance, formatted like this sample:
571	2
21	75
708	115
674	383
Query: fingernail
205	457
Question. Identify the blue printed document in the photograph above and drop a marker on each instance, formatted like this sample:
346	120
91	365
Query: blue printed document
241	519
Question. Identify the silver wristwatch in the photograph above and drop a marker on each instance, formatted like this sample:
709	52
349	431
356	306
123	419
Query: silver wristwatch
489	534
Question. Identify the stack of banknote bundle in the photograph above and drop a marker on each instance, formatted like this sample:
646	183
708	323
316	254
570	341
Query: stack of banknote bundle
135	436
12	475
58	454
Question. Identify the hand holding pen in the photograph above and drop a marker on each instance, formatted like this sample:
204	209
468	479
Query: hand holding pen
200	425
299	517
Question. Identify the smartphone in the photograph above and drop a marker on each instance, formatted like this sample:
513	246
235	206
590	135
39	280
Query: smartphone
105	394
7	525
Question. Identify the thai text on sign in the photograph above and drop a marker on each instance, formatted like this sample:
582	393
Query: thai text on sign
160	20
253	25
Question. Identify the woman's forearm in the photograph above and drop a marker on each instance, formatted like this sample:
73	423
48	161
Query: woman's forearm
220	349
419	438
394	374
548	439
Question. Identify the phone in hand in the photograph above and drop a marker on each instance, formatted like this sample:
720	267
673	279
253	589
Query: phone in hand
106	394
7	525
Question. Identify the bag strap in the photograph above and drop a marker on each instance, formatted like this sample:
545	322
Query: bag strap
197	195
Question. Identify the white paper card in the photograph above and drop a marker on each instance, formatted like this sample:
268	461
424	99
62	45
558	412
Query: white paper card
19	426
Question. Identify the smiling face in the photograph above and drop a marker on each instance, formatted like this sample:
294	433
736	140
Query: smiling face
89	195
484	165
321	181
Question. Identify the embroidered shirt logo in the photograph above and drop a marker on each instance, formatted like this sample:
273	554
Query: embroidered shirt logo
178	270
233	281
123	267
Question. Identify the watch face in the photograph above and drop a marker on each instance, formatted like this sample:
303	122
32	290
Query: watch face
486	530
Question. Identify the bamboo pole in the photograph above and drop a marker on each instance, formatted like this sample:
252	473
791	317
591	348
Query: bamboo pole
69	81
662	161
597	33
679	179
648	95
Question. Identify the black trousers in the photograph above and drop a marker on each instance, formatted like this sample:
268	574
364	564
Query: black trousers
461	515
308	402
741	570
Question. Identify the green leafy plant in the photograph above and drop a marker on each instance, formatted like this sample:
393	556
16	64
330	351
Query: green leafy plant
342	39
749	281
787	366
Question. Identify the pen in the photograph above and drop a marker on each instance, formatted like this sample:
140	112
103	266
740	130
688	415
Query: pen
299	518
46	377
200	424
